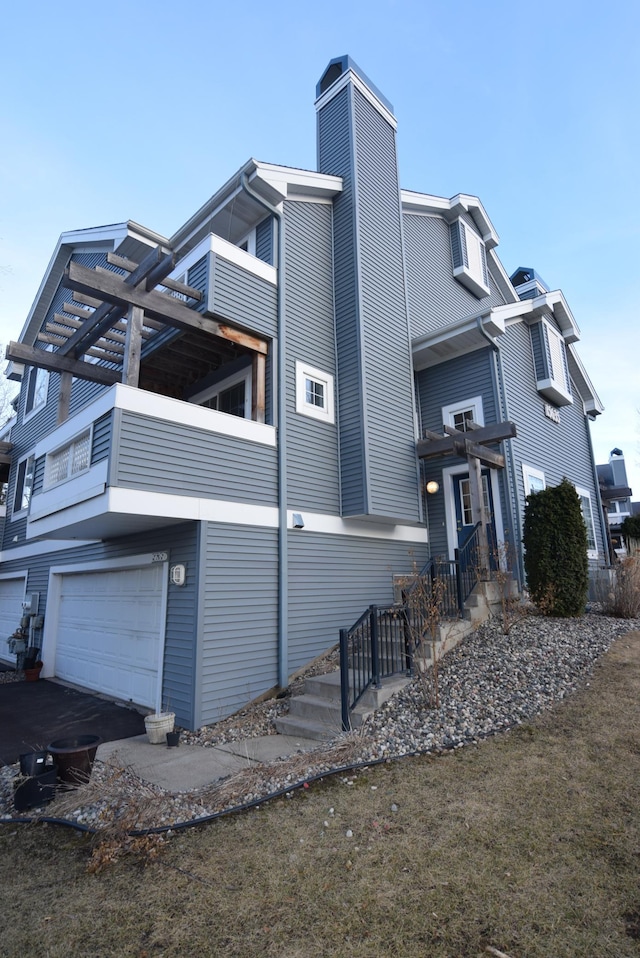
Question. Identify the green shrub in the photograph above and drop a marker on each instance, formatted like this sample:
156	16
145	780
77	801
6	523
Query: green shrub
555	541
630	528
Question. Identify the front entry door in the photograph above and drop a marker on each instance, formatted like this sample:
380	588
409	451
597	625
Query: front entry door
464	514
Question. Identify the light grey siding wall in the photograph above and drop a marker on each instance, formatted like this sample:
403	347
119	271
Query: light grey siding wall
241	297
181	542
264	240
454	381
558	449
435	297
333	579
167	457
238	655
378	467
312	446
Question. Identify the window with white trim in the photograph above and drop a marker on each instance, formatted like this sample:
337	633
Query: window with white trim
24	485
469	257
68	461
37	386
534	480
589	521
550	360
314	393
461	415
231	395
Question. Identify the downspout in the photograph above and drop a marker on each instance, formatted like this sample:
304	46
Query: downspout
604	522
281	405
516	521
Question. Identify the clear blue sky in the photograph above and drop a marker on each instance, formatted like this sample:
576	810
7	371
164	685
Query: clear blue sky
142	110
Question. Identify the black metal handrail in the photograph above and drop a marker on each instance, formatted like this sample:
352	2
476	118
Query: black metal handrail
378	645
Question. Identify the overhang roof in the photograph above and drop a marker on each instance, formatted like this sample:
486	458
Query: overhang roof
451	209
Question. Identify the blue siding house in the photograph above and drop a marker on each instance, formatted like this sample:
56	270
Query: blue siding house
224	437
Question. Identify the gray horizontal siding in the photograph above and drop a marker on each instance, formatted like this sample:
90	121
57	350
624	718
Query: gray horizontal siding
181	542
332	580
241	297
558	449
451	382
239	657
312	446
264	240
435	297
184	460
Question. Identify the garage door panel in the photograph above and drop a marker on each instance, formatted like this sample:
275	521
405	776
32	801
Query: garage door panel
109	632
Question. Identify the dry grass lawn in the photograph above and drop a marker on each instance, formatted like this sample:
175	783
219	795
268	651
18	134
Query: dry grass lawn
528	844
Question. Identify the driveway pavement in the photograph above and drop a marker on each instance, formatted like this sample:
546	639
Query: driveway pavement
33	714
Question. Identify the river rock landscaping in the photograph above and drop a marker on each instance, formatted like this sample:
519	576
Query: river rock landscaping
489	683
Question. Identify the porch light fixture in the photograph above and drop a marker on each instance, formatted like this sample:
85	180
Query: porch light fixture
432	487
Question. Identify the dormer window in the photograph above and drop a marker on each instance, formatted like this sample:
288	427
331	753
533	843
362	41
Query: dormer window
469	259
550	359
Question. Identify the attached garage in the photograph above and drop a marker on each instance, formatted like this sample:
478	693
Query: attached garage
11	598
109	634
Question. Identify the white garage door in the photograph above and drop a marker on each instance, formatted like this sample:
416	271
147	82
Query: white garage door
11	597
109	632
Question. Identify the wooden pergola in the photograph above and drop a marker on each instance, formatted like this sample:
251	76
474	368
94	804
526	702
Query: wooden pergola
112	318
472	446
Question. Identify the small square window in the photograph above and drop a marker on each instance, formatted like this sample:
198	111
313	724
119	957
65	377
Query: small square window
460	415
314	393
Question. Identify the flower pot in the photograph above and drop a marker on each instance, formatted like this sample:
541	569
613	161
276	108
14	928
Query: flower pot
173	739
74	758
33	674
37	790
33	763
157	726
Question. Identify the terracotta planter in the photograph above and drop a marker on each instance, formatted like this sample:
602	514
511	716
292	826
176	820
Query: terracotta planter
32	675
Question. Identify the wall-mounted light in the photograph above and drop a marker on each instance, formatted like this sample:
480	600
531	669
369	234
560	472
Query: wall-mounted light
432	487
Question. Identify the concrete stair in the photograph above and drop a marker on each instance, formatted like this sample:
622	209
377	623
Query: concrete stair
317	712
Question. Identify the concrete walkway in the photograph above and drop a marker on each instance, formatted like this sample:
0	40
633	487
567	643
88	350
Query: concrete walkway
189	767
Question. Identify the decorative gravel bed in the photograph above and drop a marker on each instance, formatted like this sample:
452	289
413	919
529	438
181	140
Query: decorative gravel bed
488	683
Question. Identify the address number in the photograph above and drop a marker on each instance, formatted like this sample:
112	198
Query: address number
159	556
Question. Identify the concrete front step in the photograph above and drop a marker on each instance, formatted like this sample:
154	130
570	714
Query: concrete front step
317	712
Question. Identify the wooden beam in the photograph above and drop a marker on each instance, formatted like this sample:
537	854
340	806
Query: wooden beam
496	432
258	392
80	311
64	398
123	263
131	364
466	448
87	300
56	363
105	315
159	306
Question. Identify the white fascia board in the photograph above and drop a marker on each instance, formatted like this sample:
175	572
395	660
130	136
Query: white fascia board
506	287
492	321
87	240
349	76
451	209
365	529
589	396
287	181
42	547
563	315
225	250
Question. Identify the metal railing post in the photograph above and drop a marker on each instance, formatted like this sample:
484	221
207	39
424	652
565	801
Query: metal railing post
344	681
459	582
375	657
